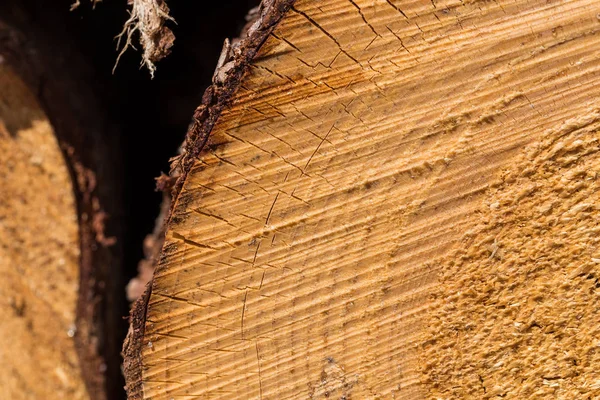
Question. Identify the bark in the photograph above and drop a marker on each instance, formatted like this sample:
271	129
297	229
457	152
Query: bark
384	199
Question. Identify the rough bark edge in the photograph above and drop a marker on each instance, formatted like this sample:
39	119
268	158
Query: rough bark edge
230	70
93	328
132	347
153	242
231	67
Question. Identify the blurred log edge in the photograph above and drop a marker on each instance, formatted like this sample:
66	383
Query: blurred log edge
58	187
385	199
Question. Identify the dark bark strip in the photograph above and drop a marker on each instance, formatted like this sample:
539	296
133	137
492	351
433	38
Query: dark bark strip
228	76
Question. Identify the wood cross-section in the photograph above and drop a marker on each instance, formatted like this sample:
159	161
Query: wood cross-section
301	257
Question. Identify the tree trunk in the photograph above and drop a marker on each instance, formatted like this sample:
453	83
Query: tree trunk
58	255
385	199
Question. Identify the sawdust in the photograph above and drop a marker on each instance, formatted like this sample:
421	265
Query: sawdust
517	311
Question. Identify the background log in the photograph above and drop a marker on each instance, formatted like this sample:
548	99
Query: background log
62	262
39	242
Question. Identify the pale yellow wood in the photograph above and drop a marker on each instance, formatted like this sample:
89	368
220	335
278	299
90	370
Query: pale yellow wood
39	254
303	253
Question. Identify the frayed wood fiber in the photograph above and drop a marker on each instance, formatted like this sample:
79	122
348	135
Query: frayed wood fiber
148	18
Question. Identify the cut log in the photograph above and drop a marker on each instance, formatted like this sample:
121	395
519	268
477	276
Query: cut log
59	294
38	243
386	199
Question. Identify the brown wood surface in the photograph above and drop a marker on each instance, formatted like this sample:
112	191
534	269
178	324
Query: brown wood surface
317	243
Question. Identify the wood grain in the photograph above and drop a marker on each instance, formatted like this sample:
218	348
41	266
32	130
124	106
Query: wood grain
359	149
